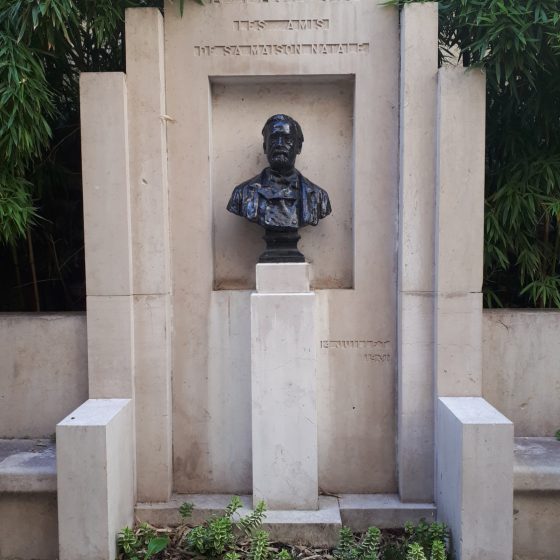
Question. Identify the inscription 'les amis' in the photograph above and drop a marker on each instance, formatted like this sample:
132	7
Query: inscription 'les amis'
281	24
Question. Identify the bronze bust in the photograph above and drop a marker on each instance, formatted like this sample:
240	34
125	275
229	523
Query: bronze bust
280	198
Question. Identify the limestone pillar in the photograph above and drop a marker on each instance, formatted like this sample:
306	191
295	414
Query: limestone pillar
107	234
284	388
418	87
150	251
460	231
474	442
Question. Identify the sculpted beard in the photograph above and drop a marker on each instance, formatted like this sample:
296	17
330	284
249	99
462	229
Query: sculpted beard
281	161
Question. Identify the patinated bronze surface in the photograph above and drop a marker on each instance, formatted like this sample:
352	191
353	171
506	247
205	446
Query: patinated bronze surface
280	198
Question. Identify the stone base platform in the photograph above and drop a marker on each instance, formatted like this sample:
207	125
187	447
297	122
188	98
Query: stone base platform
536	503
28	505
318	528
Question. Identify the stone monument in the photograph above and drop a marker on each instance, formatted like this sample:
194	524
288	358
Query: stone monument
352	380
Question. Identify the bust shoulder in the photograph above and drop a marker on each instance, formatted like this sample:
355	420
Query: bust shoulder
242	198
253	183
315	202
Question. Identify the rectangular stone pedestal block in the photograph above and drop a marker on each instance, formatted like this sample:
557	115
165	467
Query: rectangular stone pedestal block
474	481
284	392
95	470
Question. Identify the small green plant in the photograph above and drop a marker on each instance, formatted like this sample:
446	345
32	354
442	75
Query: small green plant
349	548
185	511
438	551
254	520
425	534
346	549
368	549
415	552
218	537
557	435
260	546
140	544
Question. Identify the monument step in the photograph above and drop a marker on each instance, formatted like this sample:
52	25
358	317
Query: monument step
318	528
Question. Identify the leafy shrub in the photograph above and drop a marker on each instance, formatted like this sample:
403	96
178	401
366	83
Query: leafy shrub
518	44
218	537
141	544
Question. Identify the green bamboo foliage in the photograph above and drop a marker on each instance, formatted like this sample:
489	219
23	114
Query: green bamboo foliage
44	45
518	44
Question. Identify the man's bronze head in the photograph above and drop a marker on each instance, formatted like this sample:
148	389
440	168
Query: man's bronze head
282	142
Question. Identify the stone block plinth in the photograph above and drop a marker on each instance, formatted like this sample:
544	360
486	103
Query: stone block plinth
284	391
95	471
474	444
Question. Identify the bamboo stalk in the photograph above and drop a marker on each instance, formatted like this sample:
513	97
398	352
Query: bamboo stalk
33	272
18	279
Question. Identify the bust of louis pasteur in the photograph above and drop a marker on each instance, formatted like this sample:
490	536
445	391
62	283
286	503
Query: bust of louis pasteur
280	198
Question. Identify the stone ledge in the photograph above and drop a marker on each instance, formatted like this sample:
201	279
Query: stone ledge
536	464
27	465
386	511
319	528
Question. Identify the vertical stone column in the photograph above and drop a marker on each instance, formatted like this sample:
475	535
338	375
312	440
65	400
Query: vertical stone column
284	388
475	477
107	234
460	231
150	251
418	88
474	442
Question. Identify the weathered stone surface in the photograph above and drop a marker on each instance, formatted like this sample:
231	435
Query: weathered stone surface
147	125
283	278
29	526
107	228
27	465
386	511
460	179
214	142
317	528
537	465
96	482
458	349
284	395
419	30
474	479
43	371
152	406
521	377
110	332
536	525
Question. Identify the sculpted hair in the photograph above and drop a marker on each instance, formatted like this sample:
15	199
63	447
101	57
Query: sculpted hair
285	119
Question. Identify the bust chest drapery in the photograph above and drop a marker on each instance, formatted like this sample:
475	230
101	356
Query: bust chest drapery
275	201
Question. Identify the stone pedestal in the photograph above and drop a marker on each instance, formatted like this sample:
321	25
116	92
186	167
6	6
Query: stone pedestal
95	478
474	458
284	388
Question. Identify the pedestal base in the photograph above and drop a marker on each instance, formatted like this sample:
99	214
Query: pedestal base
281	247
284	393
